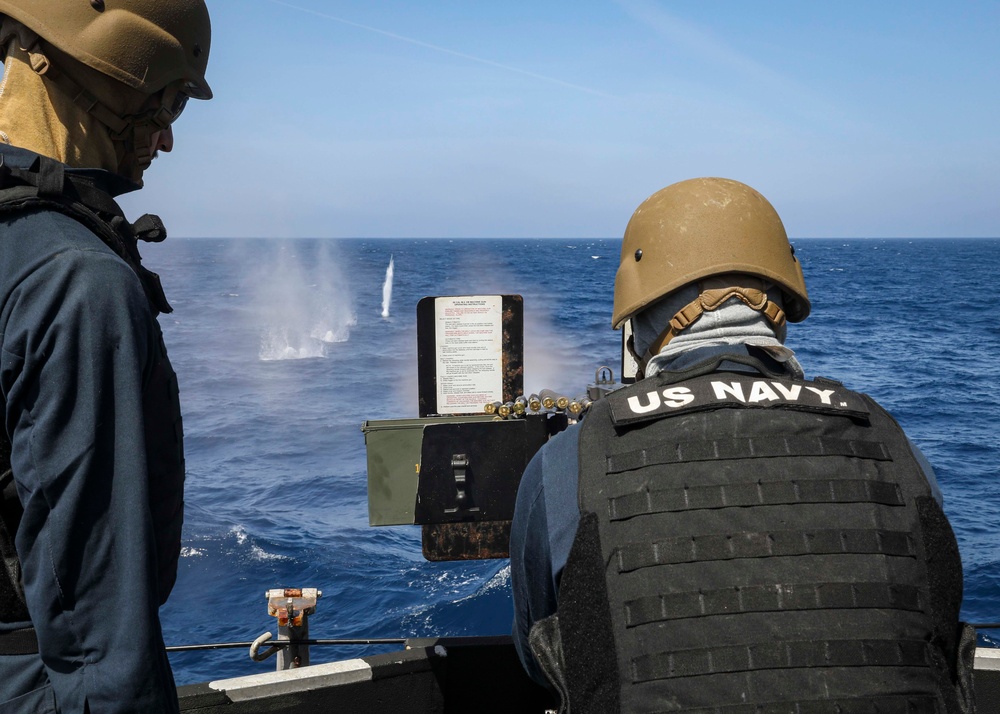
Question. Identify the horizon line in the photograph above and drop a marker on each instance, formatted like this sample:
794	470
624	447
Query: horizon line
602	238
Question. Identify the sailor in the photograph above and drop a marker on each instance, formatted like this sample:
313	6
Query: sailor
725	535
93	466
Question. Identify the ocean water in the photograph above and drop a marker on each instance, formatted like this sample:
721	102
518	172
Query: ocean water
282	351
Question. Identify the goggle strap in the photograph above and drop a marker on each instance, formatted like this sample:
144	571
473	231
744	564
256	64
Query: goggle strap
81	97
120	127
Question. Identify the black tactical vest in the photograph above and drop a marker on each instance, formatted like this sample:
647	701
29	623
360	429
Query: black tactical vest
752	544
46	185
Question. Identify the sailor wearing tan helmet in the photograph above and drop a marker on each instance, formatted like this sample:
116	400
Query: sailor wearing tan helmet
92	455
725	533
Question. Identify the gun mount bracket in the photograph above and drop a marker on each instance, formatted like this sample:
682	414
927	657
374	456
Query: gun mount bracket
460	471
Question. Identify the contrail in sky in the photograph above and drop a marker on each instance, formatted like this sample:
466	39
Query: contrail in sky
445	50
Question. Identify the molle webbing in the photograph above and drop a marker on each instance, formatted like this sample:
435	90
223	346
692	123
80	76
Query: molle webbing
778	493
901	704
749	448
781	655
763	551
693	549
771	598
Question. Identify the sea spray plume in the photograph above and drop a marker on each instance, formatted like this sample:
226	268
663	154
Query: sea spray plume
548	360
387	289
302	304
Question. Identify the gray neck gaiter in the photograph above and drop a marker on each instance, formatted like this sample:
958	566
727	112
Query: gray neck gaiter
727	330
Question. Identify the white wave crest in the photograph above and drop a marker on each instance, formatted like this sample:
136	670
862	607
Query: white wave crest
256	552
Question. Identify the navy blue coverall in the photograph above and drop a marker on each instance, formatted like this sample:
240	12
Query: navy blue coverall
83	374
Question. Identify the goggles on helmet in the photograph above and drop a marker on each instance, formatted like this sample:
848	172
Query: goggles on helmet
168	112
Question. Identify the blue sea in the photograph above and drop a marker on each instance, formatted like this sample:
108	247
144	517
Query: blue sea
282	352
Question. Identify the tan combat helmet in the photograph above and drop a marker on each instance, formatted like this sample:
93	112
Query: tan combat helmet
152	47
698	229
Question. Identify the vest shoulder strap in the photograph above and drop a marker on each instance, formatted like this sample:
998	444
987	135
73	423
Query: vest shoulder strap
45	185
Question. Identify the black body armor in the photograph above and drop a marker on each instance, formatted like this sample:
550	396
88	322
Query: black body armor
754	544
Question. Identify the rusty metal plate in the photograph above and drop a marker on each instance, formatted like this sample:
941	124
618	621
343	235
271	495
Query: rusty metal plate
466	541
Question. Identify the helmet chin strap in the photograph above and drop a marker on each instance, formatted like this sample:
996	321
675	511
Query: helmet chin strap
752	294
145	125
641	362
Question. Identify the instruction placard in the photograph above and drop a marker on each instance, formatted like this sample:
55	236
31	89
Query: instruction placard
469	339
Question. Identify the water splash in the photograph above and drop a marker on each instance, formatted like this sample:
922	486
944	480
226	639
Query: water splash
303	307
387	289
256	553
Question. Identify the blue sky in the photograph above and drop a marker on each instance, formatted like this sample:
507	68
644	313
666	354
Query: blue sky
456	118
